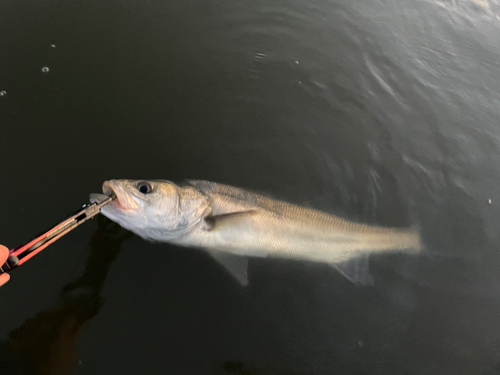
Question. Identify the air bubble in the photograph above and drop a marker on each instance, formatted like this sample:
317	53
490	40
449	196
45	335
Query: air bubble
45	69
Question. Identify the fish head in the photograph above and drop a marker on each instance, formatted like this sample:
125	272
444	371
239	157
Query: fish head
155	210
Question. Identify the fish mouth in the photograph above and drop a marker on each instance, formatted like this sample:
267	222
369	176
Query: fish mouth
124	200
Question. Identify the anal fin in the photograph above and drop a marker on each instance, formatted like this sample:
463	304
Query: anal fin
356	271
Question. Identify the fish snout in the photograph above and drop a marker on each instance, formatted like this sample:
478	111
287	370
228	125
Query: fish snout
123	200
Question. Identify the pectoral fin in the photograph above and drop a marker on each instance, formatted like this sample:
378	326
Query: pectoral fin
356	270
234	218
236	265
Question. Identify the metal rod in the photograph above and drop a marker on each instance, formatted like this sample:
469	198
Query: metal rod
21	254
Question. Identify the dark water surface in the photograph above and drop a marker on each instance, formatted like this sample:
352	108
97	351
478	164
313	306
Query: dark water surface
384	112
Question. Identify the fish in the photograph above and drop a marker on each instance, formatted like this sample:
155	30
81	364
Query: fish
234	224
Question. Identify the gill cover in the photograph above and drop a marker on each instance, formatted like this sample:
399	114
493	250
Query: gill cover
164	210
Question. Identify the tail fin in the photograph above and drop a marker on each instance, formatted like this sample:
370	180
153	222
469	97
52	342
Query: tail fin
414	239
356	269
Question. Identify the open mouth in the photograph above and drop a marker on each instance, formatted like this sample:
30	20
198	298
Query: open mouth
123	199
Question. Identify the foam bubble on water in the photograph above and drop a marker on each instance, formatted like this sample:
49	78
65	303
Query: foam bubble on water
45	69
3	93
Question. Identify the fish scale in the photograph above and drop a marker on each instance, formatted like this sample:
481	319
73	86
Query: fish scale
233	224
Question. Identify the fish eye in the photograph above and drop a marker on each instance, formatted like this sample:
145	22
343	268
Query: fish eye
144	188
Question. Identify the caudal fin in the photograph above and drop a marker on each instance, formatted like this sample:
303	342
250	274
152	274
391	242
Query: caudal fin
398	240
356	269
412	240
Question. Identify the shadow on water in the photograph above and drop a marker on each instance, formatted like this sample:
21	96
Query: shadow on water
47	343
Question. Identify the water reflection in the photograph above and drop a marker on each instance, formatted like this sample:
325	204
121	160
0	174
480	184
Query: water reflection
47	344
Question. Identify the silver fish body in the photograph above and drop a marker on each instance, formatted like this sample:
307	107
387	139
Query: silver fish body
232	224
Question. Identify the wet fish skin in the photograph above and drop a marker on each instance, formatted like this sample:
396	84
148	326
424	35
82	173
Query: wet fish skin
232	224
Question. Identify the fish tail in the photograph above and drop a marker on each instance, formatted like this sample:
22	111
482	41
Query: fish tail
411	240
417	240
407	240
